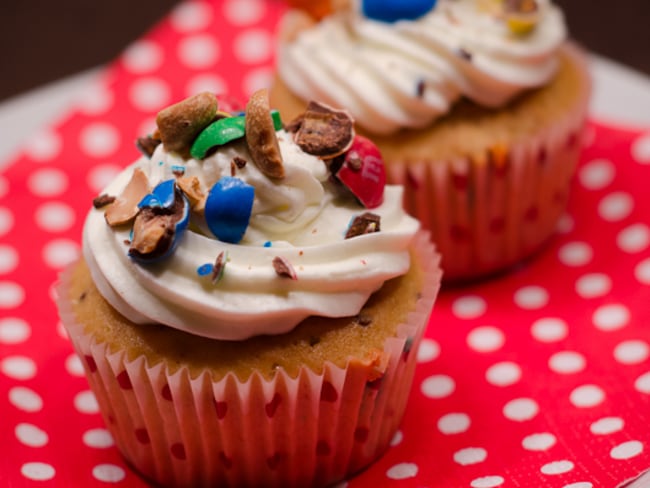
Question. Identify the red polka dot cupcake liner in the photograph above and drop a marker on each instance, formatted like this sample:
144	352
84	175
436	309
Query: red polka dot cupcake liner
309	430
487	214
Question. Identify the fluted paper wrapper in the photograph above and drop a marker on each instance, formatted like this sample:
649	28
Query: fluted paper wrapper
490	213
308	430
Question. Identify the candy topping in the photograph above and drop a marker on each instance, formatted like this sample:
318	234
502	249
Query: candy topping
363	172
218	133
228	209
160	223
283	268
179	124
260	136
323	131
125	207
394	10
366	223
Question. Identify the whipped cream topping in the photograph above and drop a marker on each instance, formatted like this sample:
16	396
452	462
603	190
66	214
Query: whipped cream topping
408	73
302	218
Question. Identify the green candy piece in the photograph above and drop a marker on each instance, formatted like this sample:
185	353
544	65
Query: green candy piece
223	131
277	121
218	133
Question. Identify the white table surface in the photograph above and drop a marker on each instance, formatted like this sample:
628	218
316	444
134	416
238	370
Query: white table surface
621	96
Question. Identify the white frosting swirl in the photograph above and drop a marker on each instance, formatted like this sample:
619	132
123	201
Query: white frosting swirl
302	218
408	73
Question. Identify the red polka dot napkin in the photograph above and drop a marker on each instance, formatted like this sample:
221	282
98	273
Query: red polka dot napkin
540	377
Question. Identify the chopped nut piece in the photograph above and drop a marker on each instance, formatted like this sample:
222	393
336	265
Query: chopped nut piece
283	268
125	207
181	123
323	131
260	136
365	223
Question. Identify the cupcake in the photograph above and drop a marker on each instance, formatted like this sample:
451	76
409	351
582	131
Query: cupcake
476	105
250	298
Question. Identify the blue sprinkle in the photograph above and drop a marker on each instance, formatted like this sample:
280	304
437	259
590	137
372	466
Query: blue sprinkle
178	169
268	244
205	269
160	163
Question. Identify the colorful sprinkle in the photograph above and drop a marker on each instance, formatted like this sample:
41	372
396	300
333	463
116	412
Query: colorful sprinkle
204	269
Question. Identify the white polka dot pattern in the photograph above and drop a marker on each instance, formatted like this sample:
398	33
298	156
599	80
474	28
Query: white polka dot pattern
539	377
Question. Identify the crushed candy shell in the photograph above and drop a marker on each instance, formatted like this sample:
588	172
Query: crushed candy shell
218	133
228	209
394	10
219	267
261	138
125	207
163	195
363	172
158	228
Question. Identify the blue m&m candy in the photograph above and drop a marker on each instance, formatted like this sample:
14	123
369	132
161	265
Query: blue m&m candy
394	10
228	209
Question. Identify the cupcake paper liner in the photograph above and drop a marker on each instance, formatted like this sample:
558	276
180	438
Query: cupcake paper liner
488	213
309	430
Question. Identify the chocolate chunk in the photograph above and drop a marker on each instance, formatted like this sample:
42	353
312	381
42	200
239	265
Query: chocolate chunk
103	200
235	164
147	145
181	123
239	162
283	268
365	223
324	131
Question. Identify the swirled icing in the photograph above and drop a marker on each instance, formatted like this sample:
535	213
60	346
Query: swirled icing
408	73
302	218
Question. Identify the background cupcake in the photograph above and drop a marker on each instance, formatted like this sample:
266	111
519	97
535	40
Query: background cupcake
245	312
476	106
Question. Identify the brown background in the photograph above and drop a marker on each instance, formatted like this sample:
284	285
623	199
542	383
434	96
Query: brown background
42	41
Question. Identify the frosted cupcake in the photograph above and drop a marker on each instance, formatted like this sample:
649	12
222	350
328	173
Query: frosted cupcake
250	299
476	106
